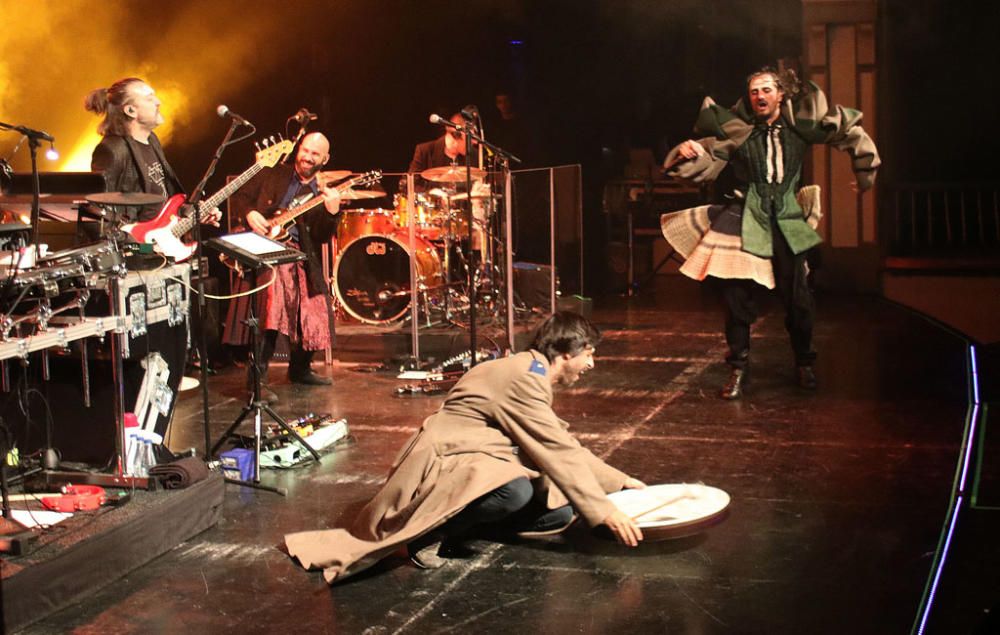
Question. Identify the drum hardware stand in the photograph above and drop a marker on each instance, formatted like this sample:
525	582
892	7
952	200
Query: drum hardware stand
256	406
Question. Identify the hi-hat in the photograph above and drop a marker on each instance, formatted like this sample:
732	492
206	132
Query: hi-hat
354	195
124	198
451	174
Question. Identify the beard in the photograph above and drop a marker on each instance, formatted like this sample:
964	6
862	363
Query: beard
307	171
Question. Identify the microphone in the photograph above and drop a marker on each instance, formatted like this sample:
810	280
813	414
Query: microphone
224	111
303	115
470	113
32	133
434	118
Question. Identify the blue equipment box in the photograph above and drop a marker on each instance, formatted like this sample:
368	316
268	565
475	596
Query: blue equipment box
238	464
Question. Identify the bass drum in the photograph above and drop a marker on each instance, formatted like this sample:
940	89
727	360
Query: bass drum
372	276
355	223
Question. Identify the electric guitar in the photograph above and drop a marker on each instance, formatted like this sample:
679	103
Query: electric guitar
165	231
278	225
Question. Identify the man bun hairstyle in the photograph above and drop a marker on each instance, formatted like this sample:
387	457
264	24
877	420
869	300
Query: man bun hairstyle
565	333
111	103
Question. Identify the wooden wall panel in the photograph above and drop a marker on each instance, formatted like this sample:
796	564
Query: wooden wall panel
820	174
844	211
869	220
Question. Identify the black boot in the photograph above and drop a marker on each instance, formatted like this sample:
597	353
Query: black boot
806	378
263	361
733	388
299	371
266	394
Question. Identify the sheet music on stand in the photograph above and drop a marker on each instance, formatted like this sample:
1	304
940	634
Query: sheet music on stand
255	251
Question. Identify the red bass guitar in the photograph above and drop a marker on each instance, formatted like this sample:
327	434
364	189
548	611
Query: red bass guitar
165	231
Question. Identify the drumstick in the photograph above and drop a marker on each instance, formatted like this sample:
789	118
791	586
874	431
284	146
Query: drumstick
661	505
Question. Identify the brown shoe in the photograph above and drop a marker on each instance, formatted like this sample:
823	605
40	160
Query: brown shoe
733	388
426	556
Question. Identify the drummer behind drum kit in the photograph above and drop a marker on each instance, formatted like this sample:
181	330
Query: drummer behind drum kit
371	276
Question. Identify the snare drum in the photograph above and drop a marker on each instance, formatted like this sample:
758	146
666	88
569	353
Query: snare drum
372	275
355	223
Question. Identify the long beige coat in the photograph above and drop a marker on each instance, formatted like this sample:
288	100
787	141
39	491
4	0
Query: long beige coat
496	425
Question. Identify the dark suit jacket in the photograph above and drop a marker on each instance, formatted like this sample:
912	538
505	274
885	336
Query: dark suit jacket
115	158
263	193
429	154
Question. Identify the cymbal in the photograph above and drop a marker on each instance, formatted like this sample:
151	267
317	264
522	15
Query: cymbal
124	198
354	195
451	174
333	175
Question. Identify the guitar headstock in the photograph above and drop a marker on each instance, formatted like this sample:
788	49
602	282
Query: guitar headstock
368	178
273	151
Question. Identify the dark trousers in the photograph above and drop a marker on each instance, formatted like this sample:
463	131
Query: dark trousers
793	288
511	505
298	359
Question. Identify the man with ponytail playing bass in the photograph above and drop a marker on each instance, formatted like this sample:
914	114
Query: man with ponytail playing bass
130	156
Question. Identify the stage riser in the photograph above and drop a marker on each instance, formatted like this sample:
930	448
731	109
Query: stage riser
91	555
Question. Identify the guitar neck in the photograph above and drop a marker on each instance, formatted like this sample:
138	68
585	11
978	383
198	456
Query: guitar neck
184	225
232	186
291	214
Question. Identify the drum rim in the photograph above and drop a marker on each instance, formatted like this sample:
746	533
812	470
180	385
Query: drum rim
336	279
653	526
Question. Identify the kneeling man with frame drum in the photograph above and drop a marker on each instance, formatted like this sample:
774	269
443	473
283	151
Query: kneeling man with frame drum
495	453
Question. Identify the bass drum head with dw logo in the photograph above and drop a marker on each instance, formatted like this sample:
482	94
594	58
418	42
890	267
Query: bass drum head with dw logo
372	276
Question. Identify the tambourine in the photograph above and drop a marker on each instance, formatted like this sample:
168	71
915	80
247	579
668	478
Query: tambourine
76	498
672	510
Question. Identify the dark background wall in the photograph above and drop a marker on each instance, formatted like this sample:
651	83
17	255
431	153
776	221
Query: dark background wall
594	76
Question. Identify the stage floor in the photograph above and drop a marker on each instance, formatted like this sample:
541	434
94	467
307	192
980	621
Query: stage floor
838	496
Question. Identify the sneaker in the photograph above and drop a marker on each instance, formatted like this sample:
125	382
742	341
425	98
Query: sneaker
546	532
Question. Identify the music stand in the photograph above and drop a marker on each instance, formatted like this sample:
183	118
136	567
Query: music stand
254	252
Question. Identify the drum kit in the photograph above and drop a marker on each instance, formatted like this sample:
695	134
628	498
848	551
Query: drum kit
371	275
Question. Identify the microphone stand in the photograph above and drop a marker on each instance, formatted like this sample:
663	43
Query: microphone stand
35	137
470	134
195	201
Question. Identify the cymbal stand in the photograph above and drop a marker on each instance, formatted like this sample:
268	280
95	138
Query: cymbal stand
446	265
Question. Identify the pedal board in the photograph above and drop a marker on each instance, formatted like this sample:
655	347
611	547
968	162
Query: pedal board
318	431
